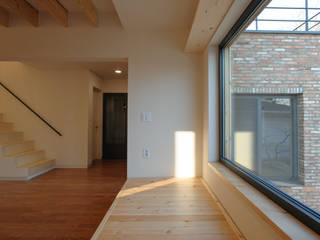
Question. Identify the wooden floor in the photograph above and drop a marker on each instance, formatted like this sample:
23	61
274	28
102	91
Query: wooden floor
166	209
64	204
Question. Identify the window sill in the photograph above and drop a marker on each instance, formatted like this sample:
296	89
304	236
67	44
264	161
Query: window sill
282	222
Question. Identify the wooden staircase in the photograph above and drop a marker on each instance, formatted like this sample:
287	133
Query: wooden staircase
18	158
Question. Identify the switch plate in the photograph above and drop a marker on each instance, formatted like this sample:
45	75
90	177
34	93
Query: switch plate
146	116
146	153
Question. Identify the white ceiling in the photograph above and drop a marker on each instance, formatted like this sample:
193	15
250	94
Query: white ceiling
73	7
155	14
104	69
140	14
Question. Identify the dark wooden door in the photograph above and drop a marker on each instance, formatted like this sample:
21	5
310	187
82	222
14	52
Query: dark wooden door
115	125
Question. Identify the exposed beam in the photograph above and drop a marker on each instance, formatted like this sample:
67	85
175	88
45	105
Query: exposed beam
4	17
89	10
117	7
22	9
56	10
207	19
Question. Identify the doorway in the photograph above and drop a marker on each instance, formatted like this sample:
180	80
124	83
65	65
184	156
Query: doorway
115	125
96	124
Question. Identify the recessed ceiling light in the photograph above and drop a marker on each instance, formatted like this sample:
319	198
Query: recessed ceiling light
118	71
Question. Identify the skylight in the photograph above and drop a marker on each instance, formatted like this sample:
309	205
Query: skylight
288	16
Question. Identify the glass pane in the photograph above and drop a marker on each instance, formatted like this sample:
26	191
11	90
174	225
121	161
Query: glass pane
314	15
252	26
279	26
245	131
287	3
314	3
262	135
288	16
301	27
314	26
227	113
276	139
272	110
283	14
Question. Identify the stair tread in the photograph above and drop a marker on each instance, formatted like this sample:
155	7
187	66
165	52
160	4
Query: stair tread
9	131
13	143
36	163
6	131
24	153
2	122
12	131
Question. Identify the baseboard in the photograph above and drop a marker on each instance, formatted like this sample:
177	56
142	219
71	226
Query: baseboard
13	178
70	166
40	173
26	178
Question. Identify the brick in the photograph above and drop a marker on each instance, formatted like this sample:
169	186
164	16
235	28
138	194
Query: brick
287	64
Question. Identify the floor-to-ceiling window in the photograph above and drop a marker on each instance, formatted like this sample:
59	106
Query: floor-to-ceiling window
270	103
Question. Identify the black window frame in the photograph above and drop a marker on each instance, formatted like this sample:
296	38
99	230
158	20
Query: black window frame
302	212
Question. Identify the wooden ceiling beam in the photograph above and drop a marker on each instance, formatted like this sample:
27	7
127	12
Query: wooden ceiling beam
4	17
207	19
56	10
23	9
89	10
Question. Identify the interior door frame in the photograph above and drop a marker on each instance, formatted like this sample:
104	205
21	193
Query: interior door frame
105	95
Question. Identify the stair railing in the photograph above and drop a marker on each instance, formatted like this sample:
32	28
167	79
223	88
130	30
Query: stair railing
27	106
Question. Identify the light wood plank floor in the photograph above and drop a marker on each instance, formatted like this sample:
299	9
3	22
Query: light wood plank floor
173	209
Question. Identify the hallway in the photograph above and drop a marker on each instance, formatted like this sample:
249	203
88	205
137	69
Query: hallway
62	204
166	209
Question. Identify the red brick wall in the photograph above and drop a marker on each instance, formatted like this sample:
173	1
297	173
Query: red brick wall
287	63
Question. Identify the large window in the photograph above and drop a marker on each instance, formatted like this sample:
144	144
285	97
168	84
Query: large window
270	106
264	135
288	15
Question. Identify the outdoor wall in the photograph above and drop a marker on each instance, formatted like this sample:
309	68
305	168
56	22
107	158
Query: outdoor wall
286	64
162	79
60	97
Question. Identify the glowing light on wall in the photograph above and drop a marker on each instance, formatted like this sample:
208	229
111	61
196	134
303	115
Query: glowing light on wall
184	154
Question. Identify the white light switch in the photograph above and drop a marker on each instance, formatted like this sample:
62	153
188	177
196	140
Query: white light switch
146	116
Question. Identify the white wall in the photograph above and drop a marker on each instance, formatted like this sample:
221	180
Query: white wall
167	82
60	97
162	79
210	108
95	84
115	85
